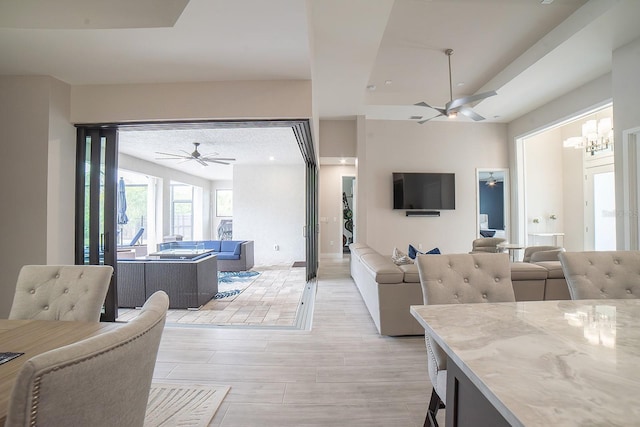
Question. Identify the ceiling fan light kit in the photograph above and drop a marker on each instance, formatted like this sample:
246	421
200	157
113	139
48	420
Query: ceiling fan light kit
458	105
204	160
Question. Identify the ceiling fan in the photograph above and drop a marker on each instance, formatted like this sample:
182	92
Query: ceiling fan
204	160
491	181
458	105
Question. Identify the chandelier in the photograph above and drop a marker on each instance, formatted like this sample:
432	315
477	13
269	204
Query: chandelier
596	136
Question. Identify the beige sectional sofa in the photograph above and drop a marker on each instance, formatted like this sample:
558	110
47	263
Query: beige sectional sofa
388	290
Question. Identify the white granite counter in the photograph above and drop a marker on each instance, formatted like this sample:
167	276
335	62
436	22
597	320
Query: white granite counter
560	363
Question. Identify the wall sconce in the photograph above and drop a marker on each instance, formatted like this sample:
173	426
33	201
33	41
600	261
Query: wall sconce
596	136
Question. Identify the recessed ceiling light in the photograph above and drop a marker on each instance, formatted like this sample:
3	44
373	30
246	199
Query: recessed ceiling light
546	1
371	87
459	84
388	82
272	158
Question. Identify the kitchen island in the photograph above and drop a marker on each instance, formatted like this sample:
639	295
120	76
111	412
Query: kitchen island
539	363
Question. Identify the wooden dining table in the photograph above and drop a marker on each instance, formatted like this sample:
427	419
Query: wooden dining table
33	337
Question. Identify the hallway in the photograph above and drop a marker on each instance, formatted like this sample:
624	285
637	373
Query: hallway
340	373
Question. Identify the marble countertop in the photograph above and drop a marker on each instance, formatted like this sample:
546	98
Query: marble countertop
542	363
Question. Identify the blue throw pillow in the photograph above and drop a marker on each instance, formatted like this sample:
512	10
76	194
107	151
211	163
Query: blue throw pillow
413	252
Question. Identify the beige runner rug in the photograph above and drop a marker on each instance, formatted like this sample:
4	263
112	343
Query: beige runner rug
183	404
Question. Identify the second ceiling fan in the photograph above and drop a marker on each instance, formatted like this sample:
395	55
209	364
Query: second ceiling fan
203	159
458	105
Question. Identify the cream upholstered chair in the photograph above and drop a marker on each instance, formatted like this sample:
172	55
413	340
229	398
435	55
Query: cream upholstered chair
458	279
487	244
61	292
603	274
100	381
541	253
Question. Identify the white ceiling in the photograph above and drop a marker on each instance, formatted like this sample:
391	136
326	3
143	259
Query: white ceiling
528	52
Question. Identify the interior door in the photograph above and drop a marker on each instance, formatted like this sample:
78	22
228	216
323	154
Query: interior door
96	181
600	208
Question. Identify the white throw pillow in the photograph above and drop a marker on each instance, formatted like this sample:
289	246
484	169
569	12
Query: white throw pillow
400	258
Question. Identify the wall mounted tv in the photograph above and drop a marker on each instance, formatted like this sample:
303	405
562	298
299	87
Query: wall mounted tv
424	190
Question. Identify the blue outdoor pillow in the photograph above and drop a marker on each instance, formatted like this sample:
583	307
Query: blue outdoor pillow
413	252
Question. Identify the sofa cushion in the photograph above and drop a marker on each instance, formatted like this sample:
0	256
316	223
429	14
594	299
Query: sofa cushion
227	255
361	250
230	246
527	271
400	258
384	270
413	252
212	244
554	269
410	273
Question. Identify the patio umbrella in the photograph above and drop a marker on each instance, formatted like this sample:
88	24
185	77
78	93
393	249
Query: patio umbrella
122	206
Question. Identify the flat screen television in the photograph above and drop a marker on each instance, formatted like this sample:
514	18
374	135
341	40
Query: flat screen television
424	190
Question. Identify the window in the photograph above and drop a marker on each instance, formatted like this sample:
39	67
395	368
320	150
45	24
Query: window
182	210
224	202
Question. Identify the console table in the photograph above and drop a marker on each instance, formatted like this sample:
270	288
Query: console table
539	363
190	281
554	236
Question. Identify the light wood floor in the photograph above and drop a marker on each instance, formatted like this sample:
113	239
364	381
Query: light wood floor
340	373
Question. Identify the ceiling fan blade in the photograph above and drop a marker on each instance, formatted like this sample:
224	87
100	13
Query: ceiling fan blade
203	163
470	113
439	110
215	159
173	155
219	161
423	104
458	102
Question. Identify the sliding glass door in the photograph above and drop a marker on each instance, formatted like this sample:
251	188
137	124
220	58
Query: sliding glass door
96	182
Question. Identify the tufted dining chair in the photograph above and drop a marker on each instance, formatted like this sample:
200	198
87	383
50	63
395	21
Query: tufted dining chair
602	274
61	292
101	381
458	279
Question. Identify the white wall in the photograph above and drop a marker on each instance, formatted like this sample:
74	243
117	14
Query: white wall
27	105
191	101
572	219
544	183
330	208
338	138
61	176
626	116
269	208
401	146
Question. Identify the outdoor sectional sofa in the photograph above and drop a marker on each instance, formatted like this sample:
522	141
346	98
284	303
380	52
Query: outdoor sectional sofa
233	255
388	290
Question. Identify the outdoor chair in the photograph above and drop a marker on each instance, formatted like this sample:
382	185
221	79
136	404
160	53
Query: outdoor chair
102	381
61	292
458	279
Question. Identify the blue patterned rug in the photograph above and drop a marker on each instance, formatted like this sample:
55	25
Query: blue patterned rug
235	276
232	283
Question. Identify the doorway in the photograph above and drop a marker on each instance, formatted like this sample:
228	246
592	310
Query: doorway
348	216
492	195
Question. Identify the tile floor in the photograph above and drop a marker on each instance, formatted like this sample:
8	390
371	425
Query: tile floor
272	298
339	373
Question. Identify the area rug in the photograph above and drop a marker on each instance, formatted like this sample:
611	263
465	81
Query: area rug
231	284
184	405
